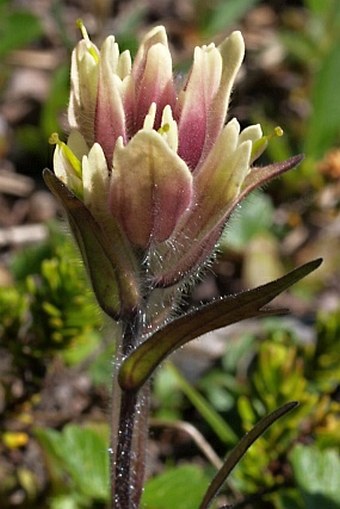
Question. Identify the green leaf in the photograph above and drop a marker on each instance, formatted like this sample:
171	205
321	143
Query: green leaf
140	364
179	487
240	449
82	454
318	476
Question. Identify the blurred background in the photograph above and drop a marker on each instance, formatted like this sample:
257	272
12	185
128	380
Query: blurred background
55	348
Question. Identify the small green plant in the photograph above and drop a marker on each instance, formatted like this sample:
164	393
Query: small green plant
48	308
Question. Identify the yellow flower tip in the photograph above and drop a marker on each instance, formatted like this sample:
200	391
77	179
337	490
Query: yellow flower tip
278	131
82	28
261	144
54	139
165	128
90	46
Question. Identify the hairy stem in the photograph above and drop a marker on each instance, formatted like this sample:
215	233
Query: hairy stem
129	430
123	471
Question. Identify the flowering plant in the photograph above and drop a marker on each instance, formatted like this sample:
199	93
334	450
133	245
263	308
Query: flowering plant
148	179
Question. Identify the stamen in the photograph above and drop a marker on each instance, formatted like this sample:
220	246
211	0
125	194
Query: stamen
90	46
169	128
278	131
54	139
165	128
83	30
260	145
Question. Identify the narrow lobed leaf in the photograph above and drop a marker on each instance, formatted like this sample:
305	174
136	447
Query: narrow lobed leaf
142	361
240	449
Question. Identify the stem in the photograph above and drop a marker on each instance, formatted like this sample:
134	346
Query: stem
123	473
129	430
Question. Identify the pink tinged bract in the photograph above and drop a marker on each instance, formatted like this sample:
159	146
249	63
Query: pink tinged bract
155	85
195	101
151	187
219	179
232	51
155	36
84	83
216	184
203	103
109	121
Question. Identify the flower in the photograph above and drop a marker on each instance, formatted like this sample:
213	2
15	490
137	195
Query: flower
156	169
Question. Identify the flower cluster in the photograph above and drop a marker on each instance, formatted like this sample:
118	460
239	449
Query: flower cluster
157	169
